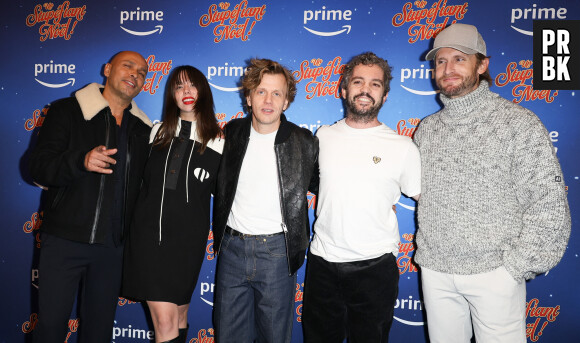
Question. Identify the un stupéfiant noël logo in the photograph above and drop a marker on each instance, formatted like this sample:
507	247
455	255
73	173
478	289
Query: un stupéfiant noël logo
232	22
557	54
56	22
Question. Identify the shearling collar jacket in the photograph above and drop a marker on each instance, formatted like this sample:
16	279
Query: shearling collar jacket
76	200
296	152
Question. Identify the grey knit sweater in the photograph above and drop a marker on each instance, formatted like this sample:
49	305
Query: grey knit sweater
492	189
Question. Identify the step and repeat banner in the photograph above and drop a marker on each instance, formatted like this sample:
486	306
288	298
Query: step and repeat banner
53	49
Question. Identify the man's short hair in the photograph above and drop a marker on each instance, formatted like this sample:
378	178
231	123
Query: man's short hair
367	59
256	71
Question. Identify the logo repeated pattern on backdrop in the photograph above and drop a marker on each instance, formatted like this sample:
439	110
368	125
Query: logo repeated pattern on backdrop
36	120
529	13
327	15
139	15
54	68
236	23
157	70
539	318
72	40
56	22
523	78
421	73
418	10
232	71
319	76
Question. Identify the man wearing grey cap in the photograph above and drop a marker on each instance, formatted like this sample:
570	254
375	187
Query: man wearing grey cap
493	210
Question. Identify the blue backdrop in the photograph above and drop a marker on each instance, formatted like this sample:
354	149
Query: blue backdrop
55	48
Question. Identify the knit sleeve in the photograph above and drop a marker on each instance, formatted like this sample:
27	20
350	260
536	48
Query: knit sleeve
417	135
540	191
411	172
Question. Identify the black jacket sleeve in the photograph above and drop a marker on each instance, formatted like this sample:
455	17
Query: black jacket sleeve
55	161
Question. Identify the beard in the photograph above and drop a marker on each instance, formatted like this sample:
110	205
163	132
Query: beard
468	83
363	115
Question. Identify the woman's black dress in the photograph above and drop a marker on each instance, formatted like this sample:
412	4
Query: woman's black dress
167	241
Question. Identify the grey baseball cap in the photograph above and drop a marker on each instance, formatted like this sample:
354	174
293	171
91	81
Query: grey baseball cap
462	37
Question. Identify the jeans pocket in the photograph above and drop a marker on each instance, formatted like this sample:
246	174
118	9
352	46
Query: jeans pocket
226	242
276	246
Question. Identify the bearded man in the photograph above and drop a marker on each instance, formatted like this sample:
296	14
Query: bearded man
493	210
352	275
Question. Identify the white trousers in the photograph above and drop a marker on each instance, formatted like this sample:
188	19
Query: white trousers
493	302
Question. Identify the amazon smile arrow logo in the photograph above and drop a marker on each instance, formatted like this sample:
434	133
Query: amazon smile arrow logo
71	81
328	34
528	33
146	33
419	92
142	15
536	13
225	89
324	15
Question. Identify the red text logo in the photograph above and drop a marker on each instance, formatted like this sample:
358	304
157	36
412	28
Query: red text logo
58	23
202	336
298	299
415	13
36	120
122	302
540	317
209	248
319	76
33	225
221	117
404	261
73	326
404	130
159	70
235	23
29	325
524	79
311	200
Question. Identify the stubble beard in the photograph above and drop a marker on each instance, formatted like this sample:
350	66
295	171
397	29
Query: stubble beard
466	86
362	116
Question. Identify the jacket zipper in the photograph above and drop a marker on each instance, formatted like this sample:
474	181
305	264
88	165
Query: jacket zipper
283	223
126	184
57	198
101	184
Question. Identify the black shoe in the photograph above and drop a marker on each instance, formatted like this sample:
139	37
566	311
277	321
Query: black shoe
183	334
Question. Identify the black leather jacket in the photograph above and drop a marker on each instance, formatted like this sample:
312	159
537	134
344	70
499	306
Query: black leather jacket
297	160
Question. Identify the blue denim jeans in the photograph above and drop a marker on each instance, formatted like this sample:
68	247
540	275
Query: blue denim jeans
254	297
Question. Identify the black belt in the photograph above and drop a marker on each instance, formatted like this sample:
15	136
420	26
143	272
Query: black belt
236	233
